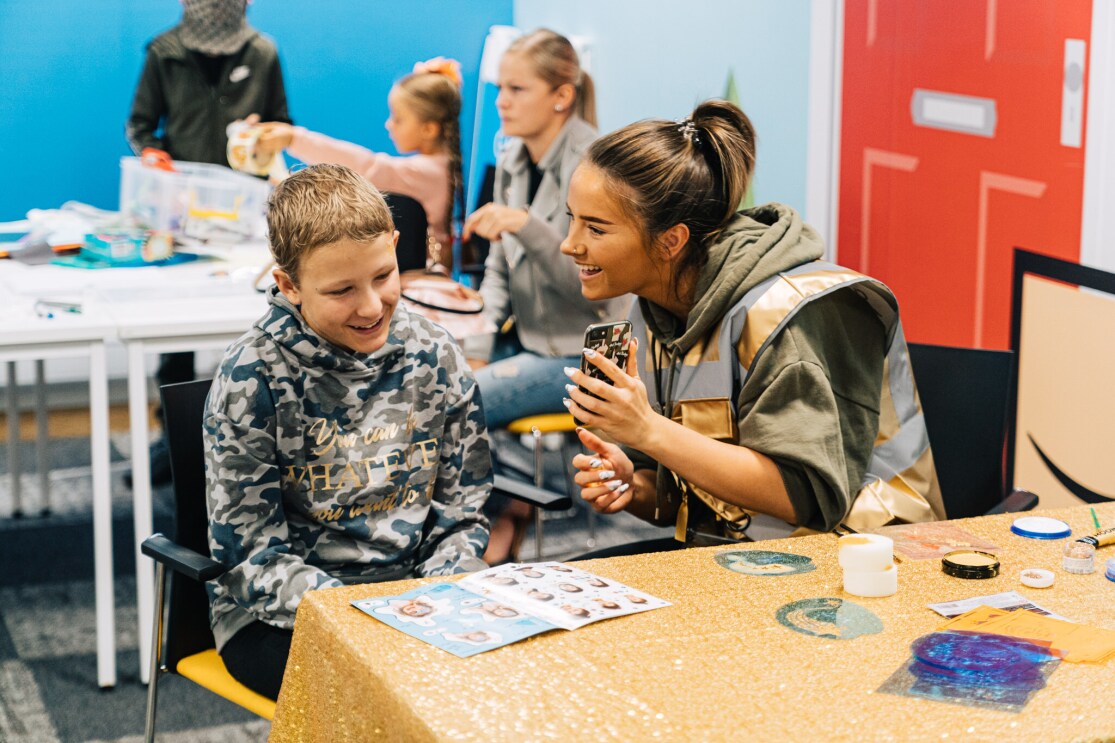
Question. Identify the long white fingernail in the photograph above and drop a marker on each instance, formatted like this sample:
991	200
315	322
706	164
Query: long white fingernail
606	474
566	401
596	463
623	488
589	353
570	387
569	371
613	484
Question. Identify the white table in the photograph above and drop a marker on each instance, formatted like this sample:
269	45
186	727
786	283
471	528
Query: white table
25	336
195	306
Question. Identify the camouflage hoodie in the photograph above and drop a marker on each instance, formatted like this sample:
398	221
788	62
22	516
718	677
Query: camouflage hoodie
326	467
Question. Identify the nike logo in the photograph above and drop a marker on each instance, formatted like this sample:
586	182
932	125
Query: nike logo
1083	493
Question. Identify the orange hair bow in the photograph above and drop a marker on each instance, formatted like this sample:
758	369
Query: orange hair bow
450	68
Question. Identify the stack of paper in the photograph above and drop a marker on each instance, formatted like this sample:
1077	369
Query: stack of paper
1076	643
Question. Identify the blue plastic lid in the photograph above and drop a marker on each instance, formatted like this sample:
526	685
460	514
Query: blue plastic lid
1040	527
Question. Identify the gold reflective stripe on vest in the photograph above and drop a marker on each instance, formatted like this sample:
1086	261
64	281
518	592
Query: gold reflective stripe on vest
879	503
782	298
713	417
900	483
888	416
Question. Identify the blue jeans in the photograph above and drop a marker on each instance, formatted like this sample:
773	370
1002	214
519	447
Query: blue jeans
521	385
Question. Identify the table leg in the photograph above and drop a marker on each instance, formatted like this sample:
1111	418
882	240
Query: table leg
13	441
141	499
102	517
42	437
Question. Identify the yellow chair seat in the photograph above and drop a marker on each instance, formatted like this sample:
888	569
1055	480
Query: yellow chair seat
546	423
208	671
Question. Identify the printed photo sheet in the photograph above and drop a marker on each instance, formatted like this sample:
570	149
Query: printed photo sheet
561	595
505	604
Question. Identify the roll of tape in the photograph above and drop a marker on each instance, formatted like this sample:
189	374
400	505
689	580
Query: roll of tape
1037	578
241	151
872	583
865	552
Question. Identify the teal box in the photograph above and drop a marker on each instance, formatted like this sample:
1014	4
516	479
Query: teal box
116	247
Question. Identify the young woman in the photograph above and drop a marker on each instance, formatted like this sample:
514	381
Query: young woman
546	102
761	381
424	125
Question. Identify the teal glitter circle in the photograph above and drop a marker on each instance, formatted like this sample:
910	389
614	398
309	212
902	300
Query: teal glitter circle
831	618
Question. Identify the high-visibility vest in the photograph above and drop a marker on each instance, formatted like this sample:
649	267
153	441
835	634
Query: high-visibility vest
900	484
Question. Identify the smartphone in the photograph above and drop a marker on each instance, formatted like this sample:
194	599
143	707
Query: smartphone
610	339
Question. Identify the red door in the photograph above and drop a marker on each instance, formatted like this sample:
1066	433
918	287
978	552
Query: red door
962	136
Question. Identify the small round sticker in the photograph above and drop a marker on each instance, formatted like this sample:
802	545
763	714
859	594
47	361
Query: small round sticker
764	562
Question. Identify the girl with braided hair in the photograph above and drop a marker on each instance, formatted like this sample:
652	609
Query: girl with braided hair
425	111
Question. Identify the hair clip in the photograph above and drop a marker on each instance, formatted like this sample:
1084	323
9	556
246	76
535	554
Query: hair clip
449	68
689	130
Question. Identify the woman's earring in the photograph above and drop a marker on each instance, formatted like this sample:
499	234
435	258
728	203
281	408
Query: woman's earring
558	107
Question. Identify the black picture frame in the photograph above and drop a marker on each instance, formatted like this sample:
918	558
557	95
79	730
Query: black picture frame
1026	262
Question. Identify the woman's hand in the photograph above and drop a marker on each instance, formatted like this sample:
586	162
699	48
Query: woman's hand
274	136
620	409
492	220
605	476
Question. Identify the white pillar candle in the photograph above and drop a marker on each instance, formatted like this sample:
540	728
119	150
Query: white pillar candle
865	552
872	583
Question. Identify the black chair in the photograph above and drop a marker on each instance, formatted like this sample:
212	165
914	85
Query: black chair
475	252
410	221
966	394
182	641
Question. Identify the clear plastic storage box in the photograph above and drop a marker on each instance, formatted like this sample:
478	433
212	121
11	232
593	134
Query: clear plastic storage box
199	200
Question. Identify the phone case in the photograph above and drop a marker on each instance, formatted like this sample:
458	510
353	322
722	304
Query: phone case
611	339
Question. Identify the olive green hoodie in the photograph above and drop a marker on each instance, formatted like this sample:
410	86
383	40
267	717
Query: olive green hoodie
811	400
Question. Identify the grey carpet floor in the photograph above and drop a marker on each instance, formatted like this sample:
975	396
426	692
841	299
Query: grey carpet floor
48	679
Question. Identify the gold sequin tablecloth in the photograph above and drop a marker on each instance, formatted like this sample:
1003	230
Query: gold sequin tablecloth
716	665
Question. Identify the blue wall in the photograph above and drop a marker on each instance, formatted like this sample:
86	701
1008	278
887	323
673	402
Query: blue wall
658	58
69	68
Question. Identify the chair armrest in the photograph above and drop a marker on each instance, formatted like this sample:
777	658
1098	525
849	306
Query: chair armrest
180	559
545	499
1019	500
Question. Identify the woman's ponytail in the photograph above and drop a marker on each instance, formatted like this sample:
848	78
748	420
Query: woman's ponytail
730	141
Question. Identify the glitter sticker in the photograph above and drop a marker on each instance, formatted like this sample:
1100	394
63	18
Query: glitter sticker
764	562
831	618
977	670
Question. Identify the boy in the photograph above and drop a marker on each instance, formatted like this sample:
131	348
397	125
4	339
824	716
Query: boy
345	438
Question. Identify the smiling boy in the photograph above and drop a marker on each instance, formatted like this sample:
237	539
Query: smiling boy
345	438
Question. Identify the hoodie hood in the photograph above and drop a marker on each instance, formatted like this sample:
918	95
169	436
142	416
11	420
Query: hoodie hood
757	244
286	326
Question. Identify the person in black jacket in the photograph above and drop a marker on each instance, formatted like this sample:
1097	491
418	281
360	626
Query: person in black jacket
200	76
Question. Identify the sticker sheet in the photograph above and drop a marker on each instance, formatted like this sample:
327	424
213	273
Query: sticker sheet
448	617
932	540
564	596
505	604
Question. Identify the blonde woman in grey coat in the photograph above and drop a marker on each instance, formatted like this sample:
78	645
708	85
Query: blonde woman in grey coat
547	103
